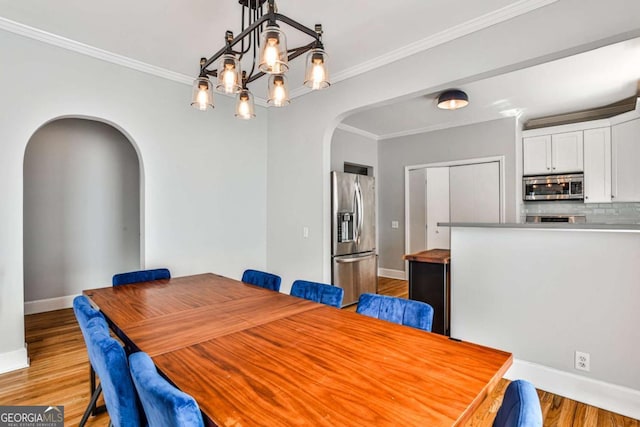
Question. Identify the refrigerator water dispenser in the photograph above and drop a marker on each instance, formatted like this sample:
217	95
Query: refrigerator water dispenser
345	226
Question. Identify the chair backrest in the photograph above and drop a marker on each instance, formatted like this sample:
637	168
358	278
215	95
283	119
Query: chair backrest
110	363
407	312
520	406
262	279
318	292
84	313
140	276
164	405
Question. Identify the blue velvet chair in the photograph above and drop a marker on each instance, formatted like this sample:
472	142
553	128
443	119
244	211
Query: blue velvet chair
164	405
318	292
110	363
140	276
407	312
84	313
262	279
520	406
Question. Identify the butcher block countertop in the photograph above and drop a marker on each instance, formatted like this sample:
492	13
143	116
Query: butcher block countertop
434	256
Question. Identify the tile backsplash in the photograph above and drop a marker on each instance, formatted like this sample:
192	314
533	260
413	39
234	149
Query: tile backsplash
610	213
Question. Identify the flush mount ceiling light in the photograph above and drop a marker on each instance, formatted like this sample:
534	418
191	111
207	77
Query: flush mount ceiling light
263	43
452	99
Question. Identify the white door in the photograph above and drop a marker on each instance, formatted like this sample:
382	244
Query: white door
437	207
566	149
475	192
417	210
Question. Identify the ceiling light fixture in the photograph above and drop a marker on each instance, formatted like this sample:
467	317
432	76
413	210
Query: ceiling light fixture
265	44
452	99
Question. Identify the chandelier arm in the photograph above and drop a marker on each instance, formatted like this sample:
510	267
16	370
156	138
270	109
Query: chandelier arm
235	41
298	26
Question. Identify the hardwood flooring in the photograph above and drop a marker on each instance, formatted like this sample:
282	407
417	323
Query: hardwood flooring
59	375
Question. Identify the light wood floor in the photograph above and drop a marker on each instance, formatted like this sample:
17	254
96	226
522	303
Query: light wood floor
59	375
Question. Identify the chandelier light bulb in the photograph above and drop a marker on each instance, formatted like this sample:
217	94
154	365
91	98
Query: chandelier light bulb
202	98
317	74
229	80
278	91
245	105
273	51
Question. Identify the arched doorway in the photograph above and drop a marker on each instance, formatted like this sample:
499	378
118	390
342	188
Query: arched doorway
81	210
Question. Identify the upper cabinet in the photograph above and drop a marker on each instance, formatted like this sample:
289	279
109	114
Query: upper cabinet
597	165
625	161
553	154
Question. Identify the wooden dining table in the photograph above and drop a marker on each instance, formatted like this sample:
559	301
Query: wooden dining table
255	357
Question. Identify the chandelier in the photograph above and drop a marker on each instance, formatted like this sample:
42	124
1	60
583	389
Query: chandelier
261	40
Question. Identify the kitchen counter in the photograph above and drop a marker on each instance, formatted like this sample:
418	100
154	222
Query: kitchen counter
434	256
547	226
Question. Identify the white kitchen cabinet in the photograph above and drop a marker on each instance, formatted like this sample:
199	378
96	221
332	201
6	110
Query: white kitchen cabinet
567	152
553	154
625	161
536	152
597	165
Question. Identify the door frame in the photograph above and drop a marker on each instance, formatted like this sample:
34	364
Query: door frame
465	162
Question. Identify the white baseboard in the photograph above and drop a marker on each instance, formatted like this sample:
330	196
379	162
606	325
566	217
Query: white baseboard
392	274
612	397
14	360
50	304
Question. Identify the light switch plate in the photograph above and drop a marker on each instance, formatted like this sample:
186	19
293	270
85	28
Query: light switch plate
394	224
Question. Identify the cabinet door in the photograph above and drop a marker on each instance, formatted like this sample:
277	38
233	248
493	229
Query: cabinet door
566	152
536	154
625	156
597	165
417	211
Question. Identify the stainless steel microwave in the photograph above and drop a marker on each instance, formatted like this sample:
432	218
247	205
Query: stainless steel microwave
553	187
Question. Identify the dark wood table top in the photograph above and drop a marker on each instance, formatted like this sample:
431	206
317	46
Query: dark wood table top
165	315
329	367
251	356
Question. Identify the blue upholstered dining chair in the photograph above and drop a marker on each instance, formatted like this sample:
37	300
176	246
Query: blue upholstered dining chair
262	279
407	312
318	292
140	276
110	363
84	313
164	405
520	406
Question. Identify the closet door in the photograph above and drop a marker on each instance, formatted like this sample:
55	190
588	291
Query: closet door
475	192
417	210
437	207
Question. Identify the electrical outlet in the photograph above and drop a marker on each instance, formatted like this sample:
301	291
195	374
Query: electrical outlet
583	361
394	224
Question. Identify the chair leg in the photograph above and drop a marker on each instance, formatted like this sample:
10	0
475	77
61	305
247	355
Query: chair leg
92	405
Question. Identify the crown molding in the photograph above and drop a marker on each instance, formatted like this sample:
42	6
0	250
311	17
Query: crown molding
487	20
492	18
439	126
358	131
94	52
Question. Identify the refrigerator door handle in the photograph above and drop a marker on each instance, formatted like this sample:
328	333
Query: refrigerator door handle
358	195
351	258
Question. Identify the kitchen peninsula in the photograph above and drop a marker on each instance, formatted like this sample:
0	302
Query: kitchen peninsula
545	291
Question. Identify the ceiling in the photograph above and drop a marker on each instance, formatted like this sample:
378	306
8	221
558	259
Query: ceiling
358	35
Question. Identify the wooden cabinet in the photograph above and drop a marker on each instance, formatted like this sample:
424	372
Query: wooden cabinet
597	165
625	156
553	154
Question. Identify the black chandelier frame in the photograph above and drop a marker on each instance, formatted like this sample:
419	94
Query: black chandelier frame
257	19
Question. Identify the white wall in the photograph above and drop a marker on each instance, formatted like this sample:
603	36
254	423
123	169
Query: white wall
544	294
203	174
349	147
299	136
81	208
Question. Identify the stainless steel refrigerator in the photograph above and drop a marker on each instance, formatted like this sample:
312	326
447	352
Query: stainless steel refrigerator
354	264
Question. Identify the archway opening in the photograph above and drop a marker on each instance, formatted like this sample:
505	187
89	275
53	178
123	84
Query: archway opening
81	210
